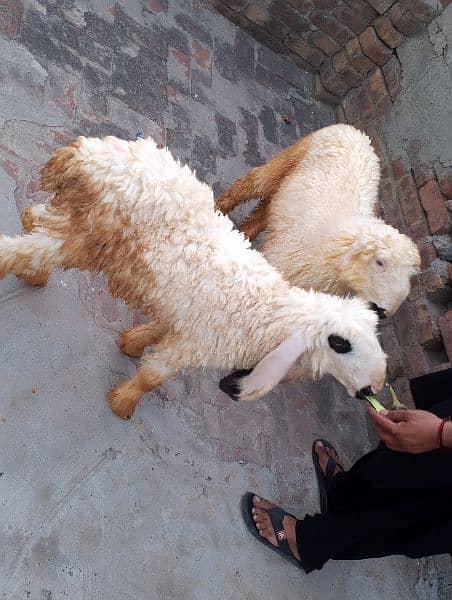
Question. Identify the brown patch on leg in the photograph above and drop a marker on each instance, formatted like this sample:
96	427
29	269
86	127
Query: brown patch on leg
27	219
38	279
264	181
256	221
125	396
133	341
243	189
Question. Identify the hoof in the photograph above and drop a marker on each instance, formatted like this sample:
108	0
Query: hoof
121	402
230	385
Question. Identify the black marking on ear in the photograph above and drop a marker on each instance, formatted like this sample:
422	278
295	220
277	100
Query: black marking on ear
339	344
230	384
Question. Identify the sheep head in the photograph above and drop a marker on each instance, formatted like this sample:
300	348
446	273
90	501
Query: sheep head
378	263
335	336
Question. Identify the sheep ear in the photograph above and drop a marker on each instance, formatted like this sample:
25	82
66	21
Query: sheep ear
356	248
249	385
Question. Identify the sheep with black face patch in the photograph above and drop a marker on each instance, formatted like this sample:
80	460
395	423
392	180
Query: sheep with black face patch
317	204
130	210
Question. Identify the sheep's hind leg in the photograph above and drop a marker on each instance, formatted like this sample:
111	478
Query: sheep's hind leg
133	341
256	221
32	256
153	373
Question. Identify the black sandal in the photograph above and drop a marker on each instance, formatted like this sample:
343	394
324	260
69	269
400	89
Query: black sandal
324	479
276	515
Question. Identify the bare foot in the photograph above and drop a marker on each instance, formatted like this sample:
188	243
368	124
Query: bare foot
324	454
265	527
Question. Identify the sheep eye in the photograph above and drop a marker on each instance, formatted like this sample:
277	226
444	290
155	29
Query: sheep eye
339	344
379	263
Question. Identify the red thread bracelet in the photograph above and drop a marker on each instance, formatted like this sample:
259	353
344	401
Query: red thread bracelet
439	436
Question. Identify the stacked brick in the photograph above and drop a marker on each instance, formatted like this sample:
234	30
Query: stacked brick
416	199
343	41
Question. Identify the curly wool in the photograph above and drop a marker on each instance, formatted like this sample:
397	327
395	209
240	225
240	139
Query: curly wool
130	210
319	211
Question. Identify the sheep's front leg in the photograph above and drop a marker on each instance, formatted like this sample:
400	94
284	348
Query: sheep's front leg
133	341
153	373
32	256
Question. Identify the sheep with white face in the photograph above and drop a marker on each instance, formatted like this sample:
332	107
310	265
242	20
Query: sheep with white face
130	210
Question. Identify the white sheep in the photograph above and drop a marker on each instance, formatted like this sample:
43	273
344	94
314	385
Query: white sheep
318	207
130	210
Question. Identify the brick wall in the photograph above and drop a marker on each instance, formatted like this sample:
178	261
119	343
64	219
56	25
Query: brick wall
340	40
351	45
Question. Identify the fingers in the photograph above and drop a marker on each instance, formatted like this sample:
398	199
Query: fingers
397	416
383	424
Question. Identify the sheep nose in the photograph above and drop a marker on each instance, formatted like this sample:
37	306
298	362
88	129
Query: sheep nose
381	312
363	392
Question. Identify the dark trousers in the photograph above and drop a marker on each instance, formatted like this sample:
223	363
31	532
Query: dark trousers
388	502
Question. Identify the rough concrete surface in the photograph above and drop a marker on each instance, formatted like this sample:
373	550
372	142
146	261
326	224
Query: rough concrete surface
95	508
421	120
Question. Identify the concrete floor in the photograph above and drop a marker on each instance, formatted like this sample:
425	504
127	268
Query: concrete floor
95	508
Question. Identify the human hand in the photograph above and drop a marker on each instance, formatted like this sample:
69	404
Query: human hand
412	431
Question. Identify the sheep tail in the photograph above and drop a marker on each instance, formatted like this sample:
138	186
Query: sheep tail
65	177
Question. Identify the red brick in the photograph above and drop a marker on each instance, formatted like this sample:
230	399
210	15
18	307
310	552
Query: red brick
373	47
428	254
377	87
434	205
201	54
392	72
387	32
415	288
351	106
157	7
351	18
332	81
434	285
325	3
424	326
419	230
324	95
324	43
342	66
305	51
415	358
11	14
303	6
410	16
391	346
331	26
366	105
444	176
445	325
358	60
386	171
405	324
400	167
340	115
362	8
409	200
381	5
377	144
422	174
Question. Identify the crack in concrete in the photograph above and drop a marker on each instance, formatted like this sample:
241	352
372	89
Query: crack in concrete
107	454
